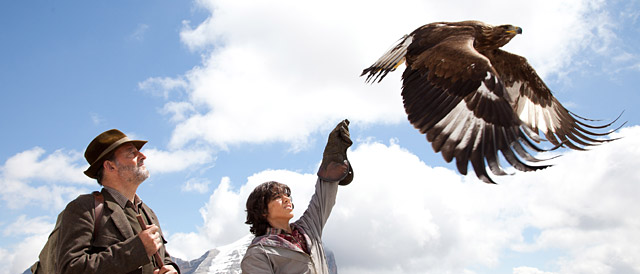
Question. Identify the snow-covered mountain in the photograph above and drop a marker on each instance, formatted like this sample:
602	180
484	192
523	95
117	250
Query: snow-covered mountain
226	259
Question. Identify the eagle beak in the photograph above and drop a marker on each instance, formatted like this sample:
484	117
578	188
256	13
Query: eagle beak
516	30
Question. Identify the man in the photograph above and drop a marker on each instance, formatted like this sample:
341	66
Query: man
281	247
120	244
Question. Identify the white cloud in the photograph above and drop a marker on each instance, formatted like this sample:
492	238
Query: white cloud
24	226
582	206
400	215
97	119
160	161
23	254
200	185
529	270
33	177
58	166
17	257
432	213
282	75
188	245
63	178
162	86
138	33
179	110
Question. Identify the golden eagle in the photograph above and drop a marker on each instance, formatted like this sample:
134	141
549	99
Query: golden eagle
473	99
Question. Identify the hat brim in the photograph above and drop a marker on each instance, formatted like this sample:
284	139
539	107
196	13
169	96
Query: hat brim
95	166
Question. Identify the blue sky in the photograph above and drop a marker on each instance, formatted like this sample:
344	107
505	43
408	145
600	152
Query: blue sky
234	93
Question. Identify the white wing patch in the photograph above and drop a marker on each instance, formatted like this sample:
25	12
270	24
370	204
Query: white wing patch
514	93
535	116
484	90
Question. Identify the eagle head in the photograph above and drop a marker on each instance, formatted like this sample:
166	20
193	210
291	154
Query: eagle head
493	37
511	29
504	33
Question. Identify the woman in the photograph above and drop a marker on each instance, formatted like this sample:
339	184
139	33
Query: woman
284	247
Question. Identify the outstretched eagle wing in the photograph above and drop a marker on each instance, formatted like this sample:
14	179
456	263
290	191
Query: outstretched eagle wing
473	100
538	109
453	94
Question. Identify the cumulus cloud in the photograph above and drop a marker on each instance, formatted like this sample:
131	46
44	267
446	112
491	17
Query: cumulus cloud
23	253
58	175
179	110
199	185
162	161
581	206
162	86
54	178
297	65
401	215
25	226
35	232
58	166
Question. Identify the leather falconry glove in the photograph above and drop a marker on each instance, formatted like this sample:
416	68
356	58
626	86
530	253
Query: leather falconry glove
335	166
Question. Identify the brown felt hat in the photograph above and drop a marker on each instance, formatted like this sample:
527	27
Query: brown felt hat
102	146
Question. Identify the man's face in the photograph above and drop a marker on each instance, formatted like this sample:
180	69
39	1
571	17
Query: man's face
280	208
130	164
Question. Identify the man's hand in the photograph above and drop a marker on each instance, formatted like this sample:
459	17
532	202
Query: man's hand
335	166
166	269
151	239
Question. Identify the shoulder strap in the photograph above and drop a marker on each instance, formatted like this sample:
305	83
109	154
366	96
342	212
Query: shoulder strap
99	204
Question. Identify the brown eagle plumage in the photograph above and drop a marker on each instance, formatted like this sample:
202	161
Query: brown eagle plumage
473	100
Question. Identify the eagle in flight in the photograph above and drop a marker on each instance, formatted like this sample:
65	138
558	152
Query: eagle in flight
473	99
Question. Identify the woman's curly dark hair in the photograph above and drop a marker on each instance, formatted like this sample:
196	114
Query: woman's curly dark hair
257	205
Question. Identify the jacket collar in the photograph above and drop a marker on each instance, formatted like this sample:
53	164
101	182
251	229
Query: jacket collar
121	199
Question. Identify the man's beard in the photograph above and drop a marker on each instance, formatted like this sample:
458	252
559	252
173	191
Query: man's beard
135	174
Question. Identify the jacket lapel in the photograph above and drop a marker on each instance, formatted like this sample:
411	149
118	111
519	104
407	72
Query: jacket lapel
119	218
